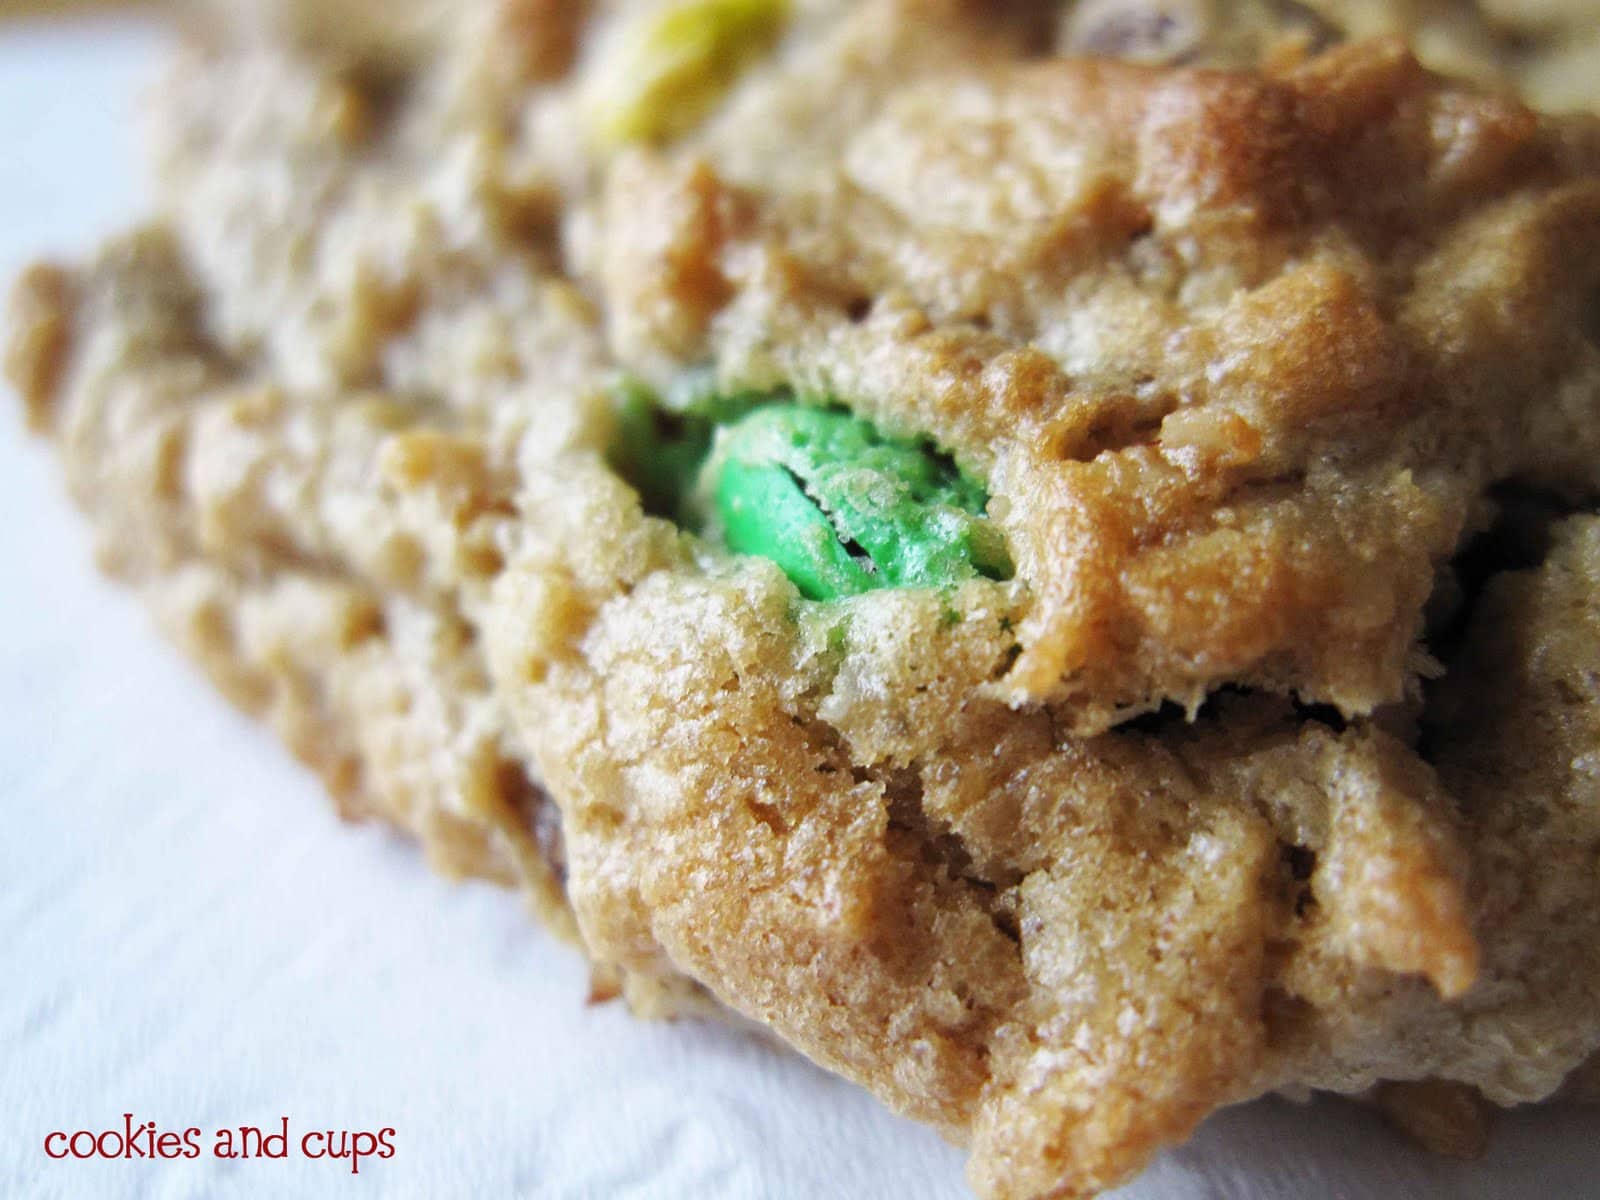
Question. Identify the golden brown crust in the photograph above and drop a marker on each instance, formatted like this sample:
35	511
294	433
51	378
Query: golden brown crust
1206	801
313	600
1241	359
1234	274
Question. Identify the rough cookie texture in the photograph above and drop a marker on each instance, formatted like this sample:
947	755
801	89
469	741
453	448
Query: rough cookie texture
1243	359
309	525
1269	767
255	528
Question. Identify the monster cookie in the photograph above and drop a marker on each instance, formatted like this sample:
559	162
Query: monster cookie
1062	587
1254	371
304	467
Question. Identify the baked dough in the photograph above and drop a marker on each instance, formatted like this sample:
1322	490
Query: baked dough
1265	762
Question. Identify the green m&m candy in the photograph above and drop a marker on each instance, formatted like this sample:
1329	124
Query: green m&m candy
842	508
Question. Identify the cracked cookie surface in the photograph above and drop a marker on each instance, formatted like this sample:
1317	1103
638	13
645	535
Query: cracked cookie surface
1259	770
1242	360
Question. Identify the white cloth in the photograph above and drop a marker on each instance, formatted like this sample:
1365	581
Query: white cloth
188	934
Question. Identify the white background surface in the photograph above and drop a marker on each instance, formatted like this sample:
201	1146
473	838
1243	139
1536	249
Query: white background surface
187	932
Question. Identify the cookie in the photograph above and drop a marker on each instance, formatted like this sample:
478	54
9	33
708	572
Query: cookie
251	524
1244	364
992	565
